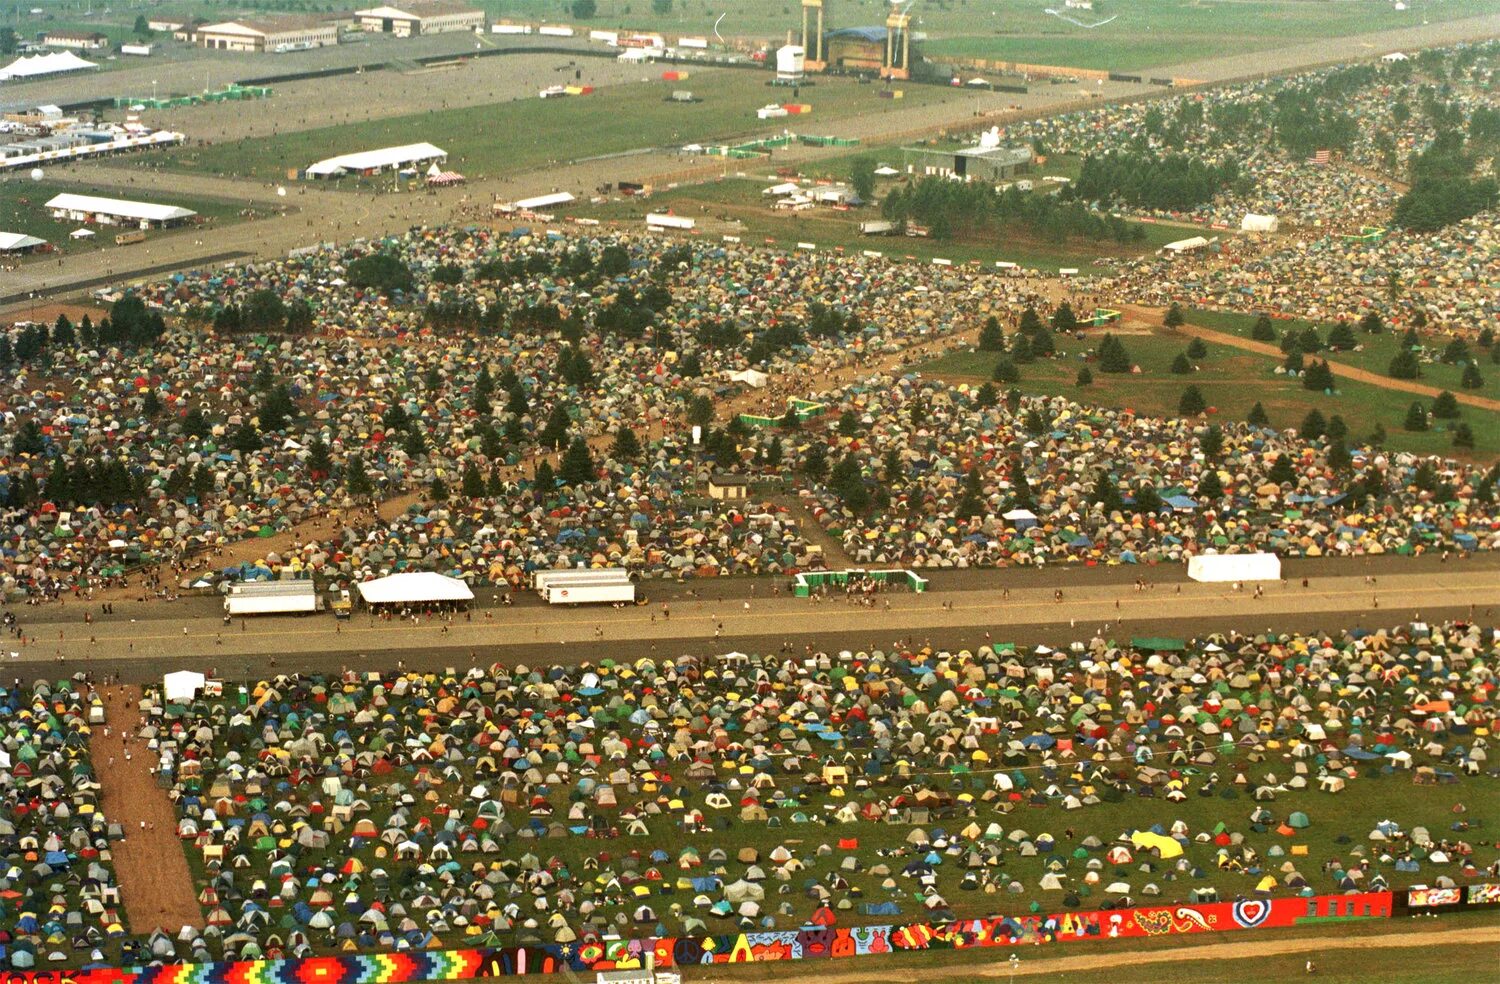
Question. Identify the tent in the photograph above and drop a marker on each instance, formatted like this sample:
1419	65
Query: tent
51	63
182	685
413	588
753	378
1259	223
1235	567
11	242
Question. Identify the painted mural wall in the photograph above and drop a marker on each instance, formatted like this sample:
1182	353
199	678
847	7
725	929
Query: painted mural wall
819	943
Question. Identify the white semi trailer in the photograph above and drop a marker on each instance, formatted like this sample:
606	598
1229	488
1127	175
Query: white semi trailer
272	598
611	585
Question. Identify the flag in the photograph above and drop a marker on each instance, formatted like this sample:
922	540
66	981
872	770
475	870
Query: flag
1319	157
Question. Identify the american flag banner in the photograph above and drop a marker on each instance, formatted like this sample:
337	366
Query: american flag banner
1319	157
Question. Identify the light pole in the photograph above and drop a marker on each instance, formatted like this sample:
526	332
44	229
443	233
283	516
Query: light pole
1015	962
153	90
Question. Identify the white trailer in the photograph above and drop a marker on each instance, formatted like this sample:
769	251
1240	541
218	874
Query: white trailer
1235	567
611	585
272	598
660	221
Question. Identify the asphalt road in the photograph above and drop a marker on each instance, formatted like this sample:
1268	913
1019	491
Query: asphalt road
190	634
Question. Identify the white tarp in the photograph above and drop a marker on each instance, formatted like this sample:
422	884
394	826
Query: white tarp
1258	223
753	378
662	221
1235	567
182	685
1185	245
414	587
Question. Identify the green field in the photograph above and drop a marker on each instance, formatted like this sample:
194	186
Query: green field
1374	354
1148	33
22	210
741	200
507	138
1232	381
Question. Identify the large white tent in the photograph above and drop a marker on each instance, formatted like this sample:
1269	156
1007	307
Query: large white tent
366	161
12	241
35	66
86	208
182	685
413	588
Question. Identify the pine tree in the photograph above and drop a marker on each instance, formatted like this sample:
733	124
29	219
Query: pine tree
1209	486
578	463
356	479
1416	418
546	480
1212	441
1085	376
1445	407
1174	317
1314	426
1030	320
1404	365
414	443
1338	455
1257	416
1112	355
991	336
1294	362
987	397
971	500
1371	324
1147	500
1006	371
815	462
1472	380
1463	436
1263	331
1337	429
246	439
1282	470
437	490
319	461
1318	377
1107	493
1020	351
626	446
1182	365
1341	337
1020	486
1063	319
195	424
1192	402
1196	349
555	434
473	481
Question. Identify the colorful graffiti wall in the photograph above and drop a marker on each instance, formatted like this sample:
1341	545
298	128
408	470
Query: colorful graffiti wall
806	944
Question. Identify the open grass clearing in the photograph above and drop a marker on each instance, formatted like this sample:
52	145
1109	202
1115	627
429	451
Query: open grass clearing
527	133
1375	352
1231	381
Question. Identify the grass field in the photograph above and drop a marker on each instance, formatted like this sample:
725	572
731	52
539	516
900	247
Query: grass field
1232	381
1375	352
22	210
1147	33
527	133
741	200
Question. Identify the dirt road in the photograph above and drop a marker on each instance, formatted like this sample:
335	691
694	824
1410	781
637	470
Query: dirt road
155	885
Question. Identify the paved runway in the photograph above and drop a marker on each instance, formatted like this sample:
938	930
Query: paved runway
192	634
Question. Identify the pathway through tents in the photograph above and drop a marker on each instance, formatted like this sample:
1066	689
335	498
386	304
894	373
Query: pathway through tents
1087	966
155	884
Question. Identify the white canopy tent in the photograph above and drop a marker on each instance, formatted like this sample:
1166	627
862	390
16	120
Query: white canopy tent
413	588
51	63
753	378
1258	223
182	685
93	208
545	201
382	159
12	241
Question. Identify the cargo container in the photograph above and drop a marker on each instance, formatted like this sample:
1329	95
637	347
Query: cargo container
272	598
611	585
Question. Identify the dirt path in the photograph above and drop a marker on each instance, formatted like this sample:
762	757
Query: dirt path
1153	316
1088	966
155	884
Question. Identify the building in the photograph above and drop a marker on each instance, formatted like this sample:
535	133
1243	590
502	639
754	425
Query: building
409	20
82	40
282	34
987	161
18	242
116	211
791	63
166	25
728	488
